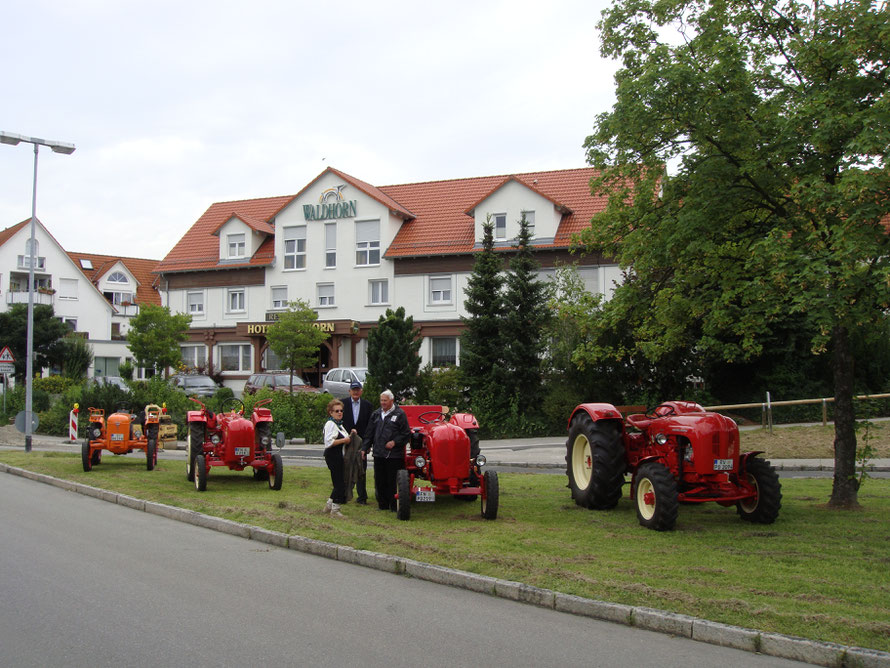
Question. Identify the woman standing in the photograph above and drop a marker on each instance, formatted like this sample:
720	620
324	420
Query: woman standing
335	437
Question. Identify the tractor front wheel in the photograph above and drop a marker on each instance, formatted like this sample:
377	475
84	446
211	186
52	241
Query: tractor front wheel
96	457
490	494
85	455
200	470
194	448
655	492
764	507
275	476
403	488
595	462
151	454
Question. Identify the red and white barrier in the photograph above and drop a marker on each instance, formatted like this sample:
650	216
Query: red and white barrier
72	423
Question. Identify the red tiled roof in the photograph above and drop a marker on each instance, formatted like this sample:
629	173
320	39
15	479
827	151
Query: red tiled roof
6	235
253	223
141	269
198	249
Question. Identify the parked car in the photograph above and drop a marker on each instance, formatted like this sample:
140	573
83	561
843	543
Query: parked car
195	384
338	380
278	381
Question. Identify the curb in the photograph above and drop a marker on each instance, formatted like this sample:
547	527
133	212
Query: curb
771	644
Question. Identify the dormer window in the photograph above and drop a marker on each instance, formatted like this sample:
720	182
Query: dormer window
118	277
237	245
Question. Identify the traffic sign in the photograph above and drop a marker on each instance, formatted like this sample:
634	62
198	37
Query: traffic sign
6	355
7	368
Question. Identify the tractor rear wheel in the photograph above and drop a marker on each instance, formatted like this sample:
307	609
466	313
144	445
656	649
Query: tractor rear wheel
194	447
490	495
403	488
151	454
275	476
764	507
595	462
85	455
200	470
655	492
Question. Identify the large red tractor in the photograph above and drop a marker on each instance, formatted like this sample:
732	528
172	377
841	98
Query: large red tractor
675	453
229	439
445	452
121	433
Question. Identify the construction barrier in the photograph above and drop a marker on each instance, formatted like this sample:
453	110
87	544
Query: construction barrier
72	423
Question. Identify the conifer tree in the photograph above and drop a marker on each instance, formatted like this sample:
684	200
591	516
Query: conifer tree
393	358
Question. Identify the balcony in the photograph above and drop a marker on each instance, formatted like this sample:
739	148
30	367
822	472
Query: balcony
41	296
127	309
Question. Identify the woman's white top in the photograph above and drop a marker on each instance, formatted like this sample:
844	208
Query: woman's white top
332	432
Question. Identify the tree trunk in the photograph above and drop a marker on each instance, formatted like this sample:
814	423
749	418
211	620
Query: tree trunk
845	488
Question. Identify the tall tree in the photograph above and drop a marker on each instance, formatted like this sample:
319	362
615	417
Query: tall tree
155	335
526	315
295	338
481	362
48	331
393	359
777	115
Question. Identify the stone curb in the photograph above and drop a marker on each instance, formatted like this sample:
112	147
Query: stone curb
814	652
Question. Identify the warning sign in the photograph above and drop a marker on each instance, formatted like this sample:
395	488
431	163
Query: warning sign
6	355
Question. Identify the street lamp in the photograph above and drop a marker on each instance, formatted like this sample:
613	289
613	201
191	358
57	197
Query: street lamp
57	147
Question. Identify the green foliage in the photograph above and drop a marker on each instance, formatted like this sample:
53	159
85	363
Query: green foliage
393	358
47	331
77	356
444	387
155	335
126	370
298	415
294	338
53	384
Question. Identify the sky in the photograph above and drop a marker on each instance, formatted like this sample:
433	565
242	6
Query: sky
176	105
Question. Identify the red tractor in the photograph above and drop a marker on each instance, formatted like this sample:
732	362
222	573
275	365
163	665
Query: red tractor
229	439
675	453
121	433
445	452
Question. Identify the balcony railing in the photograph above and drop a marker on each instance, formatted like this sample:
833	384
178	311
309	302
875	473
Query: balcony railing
21	297
127	309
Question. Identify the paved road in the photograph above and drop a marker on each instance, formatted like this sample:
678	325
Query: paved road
88	583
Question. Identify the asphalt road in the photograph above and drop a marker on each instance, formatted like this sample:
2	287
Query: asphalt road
89	583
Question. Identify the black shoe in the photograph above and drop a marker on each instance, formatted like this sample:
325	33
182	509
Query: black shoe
362	502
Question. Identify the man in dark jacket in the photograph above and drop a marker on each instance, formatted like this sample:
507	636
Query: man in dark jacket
386	437
356	415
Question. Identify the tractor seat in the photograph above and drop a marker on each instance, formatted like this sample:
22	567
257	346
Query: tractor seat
640	421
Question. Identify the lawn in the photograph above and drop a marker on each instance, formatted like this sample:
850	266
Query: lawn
816	573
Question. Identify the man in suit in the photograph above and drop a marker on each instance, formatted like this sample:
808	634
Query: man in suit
356	415
387	435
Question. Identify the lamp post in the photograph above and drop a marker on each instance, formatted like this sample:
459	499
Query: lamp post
57	147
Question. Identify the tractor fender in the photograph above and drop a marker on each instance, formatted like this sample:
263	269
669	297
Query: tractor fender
464	421
196	416
745	456
596	412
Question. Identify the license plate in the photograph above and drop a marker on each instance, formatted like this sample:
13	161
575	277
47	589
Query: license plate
117	437
425	495
242	452
723	465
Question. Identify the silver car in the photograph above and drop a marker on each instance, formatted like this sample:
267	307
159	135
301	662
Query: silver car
338	380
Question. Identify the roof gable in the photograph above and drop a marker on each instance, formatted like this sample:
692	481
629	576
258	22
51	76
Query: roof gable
140	269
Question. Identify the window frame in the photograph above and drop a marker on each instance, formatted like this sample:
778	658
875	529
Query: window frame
367	248
322	300
295	234
202	304
230	293
245	354
278	304
431	292
498	218
236	243
330	245
384	282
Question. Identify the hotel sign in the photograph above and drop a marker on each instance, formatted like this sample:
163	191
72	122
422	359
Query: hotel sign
331	205
329	326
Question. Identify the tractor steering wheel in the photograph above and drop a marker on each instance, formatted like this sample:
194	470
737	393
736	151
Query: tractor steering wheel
439	417
237	406
660	411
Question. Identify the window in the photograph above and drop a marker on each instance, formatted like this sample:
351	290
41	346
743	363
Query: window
118	277
194	356
235	300
500	226
379	291
234	357
86	264
116	334
530	221
325	294
367	242
118	298
330	245
71	322
68	288
440	290
295	247
237	245
271	360
279	297
444	351
195	302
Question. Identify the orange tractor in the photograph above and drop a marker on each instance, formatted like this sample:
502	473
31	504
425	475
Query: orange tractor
121	433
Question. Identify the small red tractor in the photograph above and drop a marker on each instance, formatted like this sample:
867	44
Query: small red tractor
445	452
675	453
121	433
229	439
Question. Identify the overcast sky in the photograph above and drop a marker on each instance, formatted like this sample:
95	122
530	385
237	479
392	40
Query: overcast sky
175	105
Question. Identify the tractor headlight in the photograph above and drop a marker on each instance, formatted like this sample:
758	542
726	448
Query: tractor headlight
661	439
419	462
480	460
215	439
266	441
97	432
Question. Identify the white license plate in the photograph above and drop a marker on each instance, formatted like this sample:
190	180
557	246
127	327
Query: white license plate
117	437
723	465
242	452
425	495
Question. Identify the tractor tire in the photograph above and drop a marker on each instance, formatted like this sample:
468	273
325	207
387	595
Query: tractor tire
595	462
85	455
194	447
96	457
403	488
275	476
491	495
151	454
763	508
200	469
655	493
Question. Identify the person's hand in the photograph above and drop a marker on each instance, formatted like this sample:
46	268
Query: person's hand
364	455
353	432
390	445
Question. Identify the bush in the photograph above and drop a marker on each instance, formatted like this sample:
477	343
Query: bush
301	415
54	384
441	386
